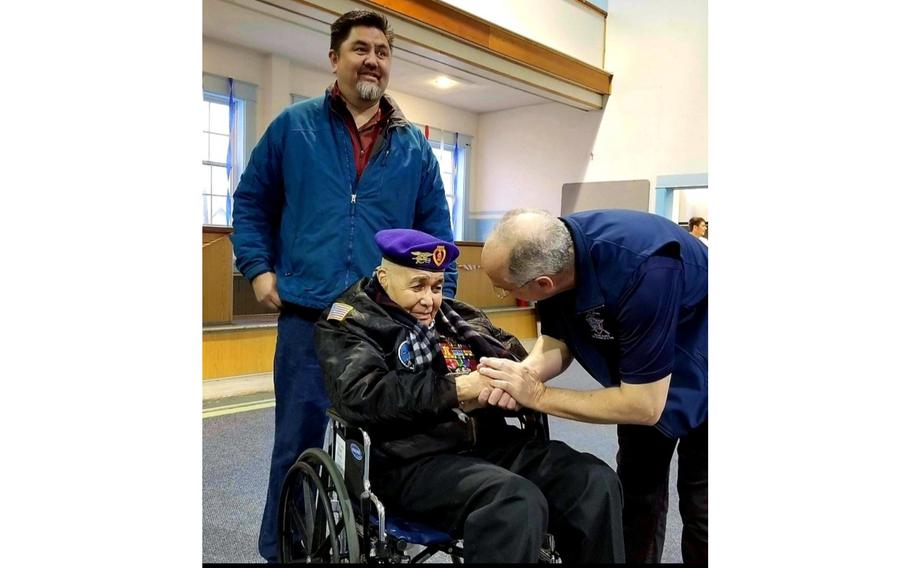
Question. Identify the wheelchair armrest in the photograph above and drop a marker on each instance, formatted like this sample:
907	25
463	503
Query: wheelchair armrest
535	422
337	417
351	444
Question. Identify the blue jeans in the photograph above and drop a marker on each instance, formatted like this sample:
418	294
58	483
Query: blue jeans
300	418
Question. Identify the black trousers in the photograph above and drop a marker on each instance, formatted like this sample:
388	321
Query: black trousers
644	467
503	498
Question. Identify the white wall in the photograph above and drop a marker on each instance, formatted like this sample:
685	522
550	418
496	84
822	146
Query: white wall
568	26
524	155
435	114
655	122
690	203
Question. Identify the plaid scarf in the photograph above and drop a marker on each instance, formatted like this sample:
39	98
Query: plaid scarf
424	340
424	345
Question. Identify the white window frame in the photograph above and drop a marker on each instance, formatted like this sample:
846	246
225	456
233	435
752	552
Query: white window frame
235	144
217	89
446	141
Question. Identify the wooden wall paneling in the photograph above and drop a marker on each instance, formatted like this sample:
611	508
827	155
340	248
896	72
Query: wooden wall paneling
474	287
520	322
245	303
234	353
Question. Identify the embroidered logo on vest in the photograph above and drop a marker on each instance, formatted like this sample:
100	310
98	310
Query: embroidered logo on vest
596	324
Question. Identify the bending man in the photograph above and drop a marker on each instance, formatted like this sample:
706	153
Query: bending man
625	293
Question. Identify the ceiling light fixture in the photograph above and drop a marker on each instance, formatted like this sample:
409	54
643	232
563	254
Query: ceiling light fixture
444	82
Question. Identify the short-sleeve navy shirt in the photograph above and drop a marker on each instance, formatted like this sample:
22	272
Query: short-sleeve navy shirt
638	311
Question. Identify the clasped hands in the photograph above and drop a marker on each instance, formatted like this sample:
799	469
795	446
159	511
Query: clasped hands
500	382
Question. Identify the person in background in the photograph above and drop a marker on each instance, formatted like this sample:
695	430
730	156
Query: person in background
327	174
626	294
401	362
698	227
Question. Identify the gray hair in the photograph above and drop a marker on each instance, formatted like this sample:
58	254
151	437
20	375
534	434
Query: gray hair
540	244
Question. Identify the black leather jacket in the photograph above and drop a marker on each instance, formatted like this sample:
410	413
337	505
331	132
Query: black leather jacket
407	413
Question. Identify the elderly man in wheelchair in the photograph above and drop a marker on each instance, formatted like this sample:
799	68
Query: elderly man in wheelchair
409	437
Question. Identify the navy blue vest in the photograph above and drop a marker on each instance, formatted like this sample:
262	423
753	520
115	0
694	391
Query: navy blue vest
610	246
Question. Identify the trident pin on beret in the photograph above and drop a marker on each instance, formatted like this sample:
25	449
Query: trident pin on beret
416	249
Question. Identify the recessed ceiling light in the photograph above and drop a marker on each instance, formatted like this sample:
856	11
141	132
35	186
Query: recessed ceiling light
444	82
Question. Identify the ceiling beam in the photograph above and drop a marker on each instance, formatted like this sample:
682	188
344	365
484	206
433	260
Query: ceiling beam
471	30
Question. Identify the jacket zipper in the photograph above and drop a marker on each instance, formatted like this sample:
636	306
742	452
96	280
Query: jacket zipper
347	274
388	144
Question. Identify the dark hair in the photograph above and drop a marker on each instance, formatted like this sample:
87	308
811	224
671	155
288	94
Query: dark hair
341	28
695	221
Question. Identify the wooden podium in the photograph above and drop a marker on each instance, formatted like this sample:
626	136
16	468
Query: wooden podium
217	275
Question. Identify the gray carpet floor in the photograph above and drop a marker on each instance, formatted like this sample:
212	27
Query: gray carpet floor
237	447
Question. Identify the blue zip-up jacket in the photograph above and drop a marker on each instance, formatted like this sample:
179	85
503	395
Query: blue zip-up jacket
301	212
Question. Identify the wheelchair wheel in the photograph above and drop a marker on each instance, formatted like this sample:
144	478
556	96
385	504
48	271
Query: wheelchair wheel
315	518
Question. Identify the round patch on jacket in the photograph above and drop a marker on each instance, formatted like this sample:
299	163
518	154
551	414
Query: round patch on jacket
356	451
406	355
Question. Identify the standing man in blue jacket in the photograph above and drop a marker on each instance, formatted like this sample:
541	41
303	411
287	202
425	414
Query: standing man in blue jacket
626	294
328	174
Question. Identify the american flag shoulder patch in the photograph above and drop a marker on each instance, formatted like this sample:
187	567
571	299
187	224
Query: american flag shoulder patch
339	311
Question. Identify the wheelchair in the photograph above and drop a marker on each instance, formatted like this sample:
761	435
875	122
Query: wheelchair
319	522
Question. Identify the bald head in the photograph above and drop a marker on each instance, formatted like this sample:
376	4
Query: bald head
527	244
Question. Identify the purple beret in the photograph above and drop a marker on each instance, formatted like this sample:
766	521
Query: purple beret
416	249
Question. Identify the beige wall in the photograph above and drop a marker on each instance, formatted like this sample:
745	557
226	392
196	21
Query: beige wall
242	64
655	122
231	61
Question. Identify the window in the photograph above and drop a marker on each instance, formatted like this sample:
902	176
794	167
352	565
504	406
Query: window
452	151
226	115
446	159
217	185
